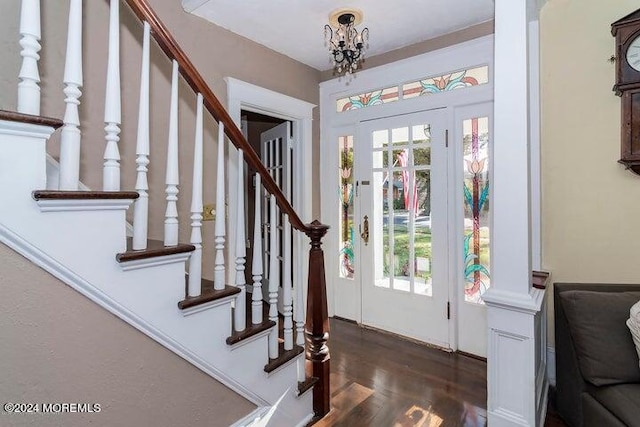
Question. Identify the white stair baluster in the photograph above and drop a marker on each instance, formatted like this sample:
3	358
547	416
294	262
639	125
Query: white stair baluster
286	285
287	296
141	205
71	136
112	112
298	309
256	262
274	277
195	261
240	321
28	86
219	274
172	178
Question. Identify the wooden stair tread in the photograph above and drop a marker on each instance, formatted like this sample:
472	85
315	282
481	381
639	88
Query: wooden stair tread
284	357
14	116
84	195
155	248
250	331
207	294
305	385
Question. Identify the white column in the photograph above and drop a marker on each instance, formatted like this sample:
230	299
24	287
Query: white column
71	135
274	276
28	87
172	177
516	380
219	269
112	113
195	260
256	262
241	250
141	206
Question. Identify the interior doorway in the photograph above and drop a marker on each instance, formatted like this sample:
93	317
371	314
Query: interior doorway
272	137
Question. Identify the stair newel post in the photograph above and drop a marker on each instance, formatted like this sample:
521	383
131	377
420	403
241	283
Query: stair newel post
172	177
317	326
71	136
28	86
219	269
240	321
286	285
256	261
141	205
112	110
274	276
195	260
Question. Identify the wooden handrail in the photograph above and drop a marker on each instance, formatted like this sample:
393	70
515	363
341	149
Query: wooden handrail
170	47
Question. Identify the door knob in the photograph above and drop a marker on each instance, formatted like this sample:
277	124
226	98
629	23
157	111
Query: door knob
365	233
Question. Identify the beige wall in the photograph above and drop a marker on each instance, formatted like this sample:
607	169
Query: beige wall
591	205
216	52
446	40
58	346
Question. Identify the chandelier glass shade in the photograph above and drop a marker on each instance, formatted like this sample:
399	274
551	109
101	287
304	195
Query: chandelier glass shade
346	44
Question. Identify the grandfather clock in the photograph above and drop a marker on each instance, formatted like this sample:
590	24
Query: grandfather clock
627	86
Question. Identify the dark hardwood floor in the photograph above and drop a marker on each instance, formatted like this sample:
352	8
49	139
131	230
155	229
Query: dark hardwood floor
378	379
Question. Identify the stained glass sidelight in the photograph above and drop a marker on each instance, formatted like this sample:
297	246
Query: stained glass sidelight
476	208
446	82
347	256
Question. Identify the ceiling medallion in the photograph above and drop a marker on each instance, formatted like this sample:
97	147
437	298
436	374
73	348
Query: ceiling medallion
346	43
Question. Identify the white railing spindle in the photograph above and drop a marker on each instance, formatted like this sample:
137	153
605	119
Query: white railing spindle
71	136
219	274
286	285
172	178
274	277
195	261
240	321
141	206
256	262
298	311
28	86
112	111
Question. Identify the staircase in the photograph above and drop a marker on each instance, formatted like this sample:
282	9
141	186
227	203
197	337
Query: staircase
158	286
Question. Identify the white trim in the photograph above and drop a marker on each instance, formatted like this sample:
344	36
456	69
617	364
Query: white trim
68	205
154	261
284	365
534	145
515	301
242	95
253	419
206	306
78	283
8	127
307	419
251	339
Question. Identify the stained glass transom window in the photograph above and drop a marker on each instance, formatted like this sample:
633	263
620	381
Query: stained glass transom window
368	99
347	256
476	236
446	82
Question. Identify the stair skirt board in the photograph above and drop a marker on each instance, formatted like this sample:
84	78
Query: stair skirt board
47	263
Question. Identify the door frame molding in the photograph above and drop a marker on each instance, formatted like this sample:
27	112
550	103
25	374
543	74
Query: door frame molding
442	61
246	96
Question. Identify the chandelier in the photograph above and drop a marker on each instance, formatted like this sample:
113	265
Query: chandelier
346	44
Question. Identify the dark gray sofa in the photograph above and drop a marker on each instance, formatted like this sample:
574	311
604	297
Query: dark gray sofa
597	372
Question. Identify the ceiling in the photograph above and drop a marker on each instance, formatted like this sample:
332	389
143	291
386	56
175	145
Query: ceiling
295	27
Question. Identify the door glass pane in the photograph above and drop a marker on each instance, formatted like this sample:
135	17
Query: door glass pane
476	208
402	208
347	255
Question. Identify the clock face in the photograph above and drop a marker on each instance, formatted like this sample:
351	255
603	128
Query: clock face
633	54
